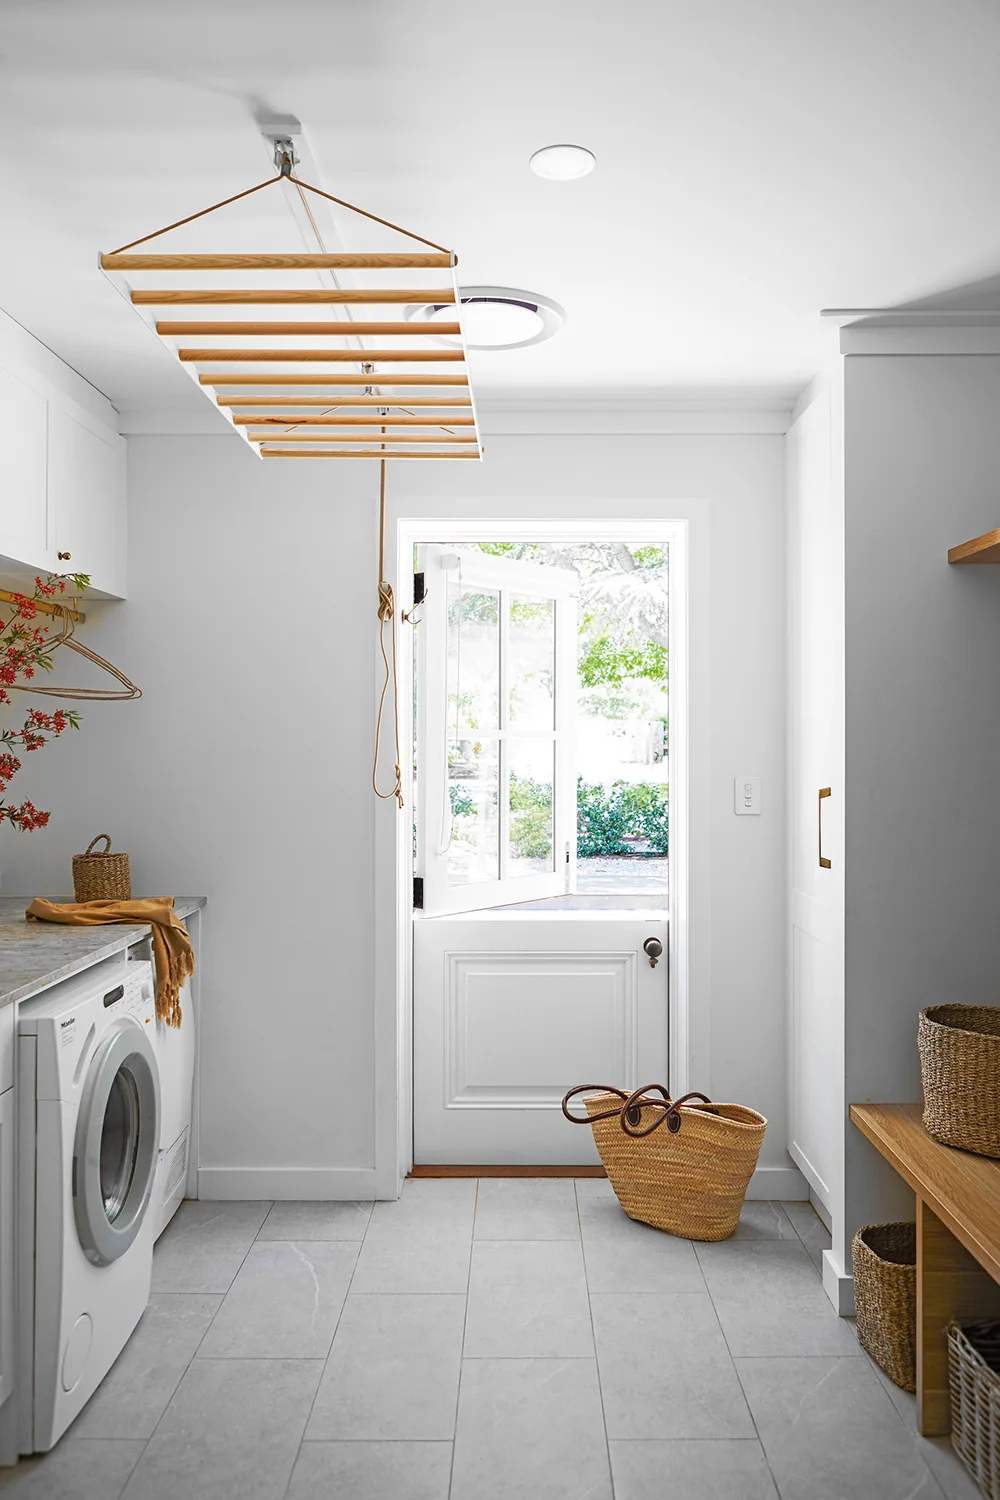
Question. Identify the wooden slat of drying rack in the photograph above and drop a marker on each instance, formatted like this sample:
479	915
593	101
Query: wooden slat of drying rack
370	383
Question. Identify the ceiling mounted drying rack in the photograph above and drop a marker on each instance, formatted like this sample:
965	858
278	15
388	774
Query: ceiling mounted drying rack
437	421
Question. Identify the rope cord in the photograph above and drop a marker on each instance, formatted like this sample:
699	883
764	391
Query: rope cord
199	215
386	616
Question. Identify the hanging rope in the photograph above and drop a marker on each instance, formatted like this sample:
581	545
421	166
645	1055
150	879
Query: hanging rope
386	616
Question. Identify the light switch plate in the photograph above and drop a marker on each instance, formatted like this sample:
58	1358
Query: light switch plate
746	796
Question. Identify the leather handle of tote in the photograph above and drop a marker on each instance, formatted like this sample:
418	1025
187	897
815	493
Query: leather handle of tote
631	1111
591	1088
100	836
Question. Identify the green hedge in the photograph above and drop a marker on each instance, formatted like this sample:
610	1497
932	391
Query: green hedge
606	815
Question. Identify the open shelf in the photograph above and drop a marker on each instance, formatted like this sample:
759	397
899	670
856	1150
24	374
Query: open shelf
982	549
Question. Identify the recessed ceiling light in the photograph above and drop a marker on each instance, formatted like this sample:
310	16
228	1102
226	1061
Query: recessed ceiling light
495	317
562	163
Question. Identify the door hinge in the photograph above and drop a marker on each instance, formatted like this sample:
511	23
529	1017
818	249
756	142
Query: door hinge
418	588
418	893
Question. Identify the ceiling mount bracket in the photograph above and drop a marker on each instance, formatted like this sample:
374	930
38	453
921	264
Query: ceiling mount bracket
285	157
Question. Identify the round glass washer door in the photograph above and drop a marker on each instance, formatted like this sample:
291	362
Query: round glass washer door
117	1136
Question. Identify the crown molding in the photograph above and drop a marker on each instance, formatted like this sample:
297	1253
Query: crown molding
729	413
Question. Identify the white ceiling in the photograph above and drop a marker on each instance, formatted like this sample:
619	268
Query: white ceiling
756	160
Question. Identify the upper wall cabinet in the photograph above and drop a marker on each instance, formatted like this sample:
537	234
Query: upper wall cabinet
62	485
87	495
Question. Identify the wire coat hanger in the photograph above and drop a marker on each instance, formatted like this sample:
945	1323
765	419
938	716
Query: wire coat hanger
102	695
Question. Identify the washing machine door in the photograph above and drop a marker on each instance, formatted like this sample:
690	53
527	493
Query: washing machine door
117	1136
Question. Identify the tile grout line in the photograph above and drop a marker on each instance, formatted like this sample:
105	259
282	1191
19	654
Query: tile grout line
465	1324
732	1361
593	1334
326	1361
204	1336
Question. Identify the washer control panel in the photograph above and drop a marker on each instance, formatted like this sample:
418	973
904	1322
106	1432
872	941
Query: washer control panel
134	996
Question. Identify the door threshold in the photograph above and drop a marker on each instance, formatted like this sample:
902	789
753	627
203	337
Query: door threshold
449	1170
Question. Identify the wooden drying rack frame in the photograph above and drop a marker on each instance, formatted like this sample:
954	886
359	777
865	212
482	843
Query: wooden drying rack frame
439	434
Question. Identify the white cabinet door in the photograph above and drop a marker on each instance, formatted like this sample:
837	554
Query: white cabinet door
7	1309
816	683
24	502
510	1012
87	495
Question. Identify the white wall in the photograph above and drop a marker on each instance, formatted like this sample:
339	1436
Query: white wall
923	724
244	771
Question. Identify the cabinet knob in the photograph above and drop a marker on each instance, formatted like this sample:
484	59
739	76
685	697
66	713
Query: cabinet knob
652	948
63	556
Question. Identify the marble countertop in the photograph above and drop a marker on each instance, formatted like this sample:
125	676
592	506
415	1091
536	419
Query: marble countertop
34	955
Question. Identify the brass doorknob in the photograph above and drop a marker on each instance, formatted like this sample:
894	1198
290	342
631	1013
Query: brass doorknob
652	948
63	556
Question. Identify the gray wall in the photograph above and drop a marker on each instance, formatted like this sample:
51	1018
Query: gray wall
923	724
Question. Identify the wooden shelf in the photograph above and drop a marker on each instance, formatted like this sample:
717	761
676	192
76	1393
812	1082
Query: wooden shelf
982	549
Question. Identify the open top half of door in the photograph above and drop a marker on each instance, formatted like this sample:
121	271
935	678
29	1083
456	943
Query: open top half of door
496	709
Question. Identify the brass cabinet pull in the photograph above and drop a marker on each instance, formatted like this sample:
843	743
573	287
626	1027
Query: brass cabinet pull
824	863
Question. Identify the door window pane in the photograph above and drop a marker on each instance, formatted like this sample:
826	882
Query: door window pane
119	1142
473	659
529	790
531	662
473	810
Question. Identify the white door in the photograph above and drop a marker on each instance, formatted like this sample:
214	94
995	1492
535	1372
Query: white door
511	1011
496	702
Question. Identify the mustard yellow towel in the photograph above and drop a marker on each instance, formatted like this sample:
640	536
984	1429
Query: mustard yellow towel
172	952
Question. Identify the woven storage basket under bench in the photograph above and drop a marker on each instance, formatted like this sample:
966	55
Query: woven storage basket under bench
974	1375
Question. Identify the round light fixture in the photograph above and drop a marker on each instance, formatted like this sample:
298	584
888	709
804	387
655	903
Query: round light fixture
562	163
494	317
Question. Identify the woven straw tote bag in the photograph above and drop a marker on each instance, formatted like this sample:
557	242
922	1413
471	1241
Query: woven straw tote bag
690	1178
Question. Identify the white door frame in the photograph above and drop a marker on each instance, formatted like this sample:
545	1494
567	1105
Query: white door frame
393	958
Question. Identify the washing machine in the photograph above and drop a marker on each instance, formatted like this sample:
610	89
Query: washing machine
88	1134
174	1047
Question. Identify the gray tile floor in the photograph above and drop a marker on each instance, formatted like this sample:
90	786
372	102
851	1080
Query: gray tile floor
490	1341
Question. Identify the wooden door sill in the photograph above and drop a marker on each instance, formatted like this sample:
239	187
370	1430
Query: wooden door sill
450	1170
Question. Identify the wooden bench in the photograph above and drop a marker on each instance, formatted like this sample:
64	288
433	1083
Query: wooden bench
958	1240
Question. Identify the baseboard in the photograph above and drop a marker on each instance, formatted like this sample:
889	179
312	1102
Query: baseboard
330	1184
838	1285
822	1211
450	1170
809	1172
785	1183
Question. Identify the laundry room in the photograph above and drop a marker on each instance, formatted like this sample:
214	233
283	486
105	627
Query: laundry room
498	991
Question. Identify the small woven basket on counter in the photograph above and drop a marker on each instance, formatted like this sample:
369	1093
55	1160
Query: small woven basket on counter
960	1067
103	876
974	1377
885	1291
689	1178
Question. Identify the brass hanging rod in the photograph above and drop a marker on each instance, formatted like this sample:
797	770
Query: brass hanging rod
346	356
358	437
373	421
343	327
350	453
234	378
276	262
340	402
49	609
272	295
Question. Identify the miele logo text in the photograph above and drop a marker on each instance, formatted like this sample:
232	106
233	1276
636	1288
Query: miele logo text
64	1024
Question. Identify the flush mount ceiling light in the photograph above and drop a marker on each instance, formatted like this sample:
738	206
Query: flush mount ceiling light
493	317
562	163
